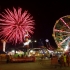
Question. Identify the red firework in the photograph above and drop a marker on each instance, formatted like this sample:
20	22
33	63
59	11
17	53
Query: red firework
14	25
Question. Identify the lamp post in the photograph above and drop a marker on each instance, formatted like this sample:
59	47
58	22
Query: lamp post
47	43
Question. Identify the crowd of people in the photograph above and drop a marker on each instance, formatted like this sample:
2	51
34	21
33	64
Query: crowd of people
63	60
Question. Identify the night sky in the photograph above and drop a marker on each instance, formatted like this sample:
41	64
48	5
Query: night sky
45	14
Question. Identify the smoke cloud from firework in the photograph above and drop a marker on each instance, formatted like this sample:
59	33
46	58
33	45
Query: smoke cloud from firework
14	25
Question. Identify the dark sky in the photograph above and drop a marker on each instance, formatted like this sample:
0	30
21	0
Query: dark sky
45	13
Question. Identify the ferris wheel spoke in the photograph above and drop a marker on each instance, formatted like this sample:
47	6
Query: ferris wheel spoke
63	41
64	23
61	31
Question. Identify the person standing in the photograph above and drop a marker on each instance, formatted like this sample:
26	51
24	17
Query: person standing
64	59
68	59
61	61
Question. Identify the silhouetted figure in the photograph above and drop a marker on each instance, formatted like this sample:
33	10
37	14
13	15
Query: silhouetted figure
67	58
7	58
50	55
61	61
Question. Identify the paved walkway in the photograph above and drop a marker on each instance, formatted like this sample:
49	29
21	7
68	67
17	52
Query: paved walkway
38	65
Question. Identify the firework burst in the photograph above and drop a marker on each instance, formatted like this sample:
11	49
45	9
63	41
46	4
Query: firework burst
14	25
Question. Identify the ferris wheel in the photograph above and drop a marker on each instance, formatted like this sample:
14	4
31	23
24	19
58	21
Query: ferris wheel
61	32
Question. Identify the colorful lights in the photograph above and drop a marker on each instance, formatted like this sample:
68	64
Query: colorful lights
61	32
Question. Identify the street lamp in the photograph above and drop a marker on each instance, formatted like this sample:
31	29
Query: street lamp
47	40
47	43
35	41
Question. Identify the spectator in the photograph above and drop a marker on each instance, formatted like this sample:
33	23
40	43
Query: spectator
67	59
64	59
